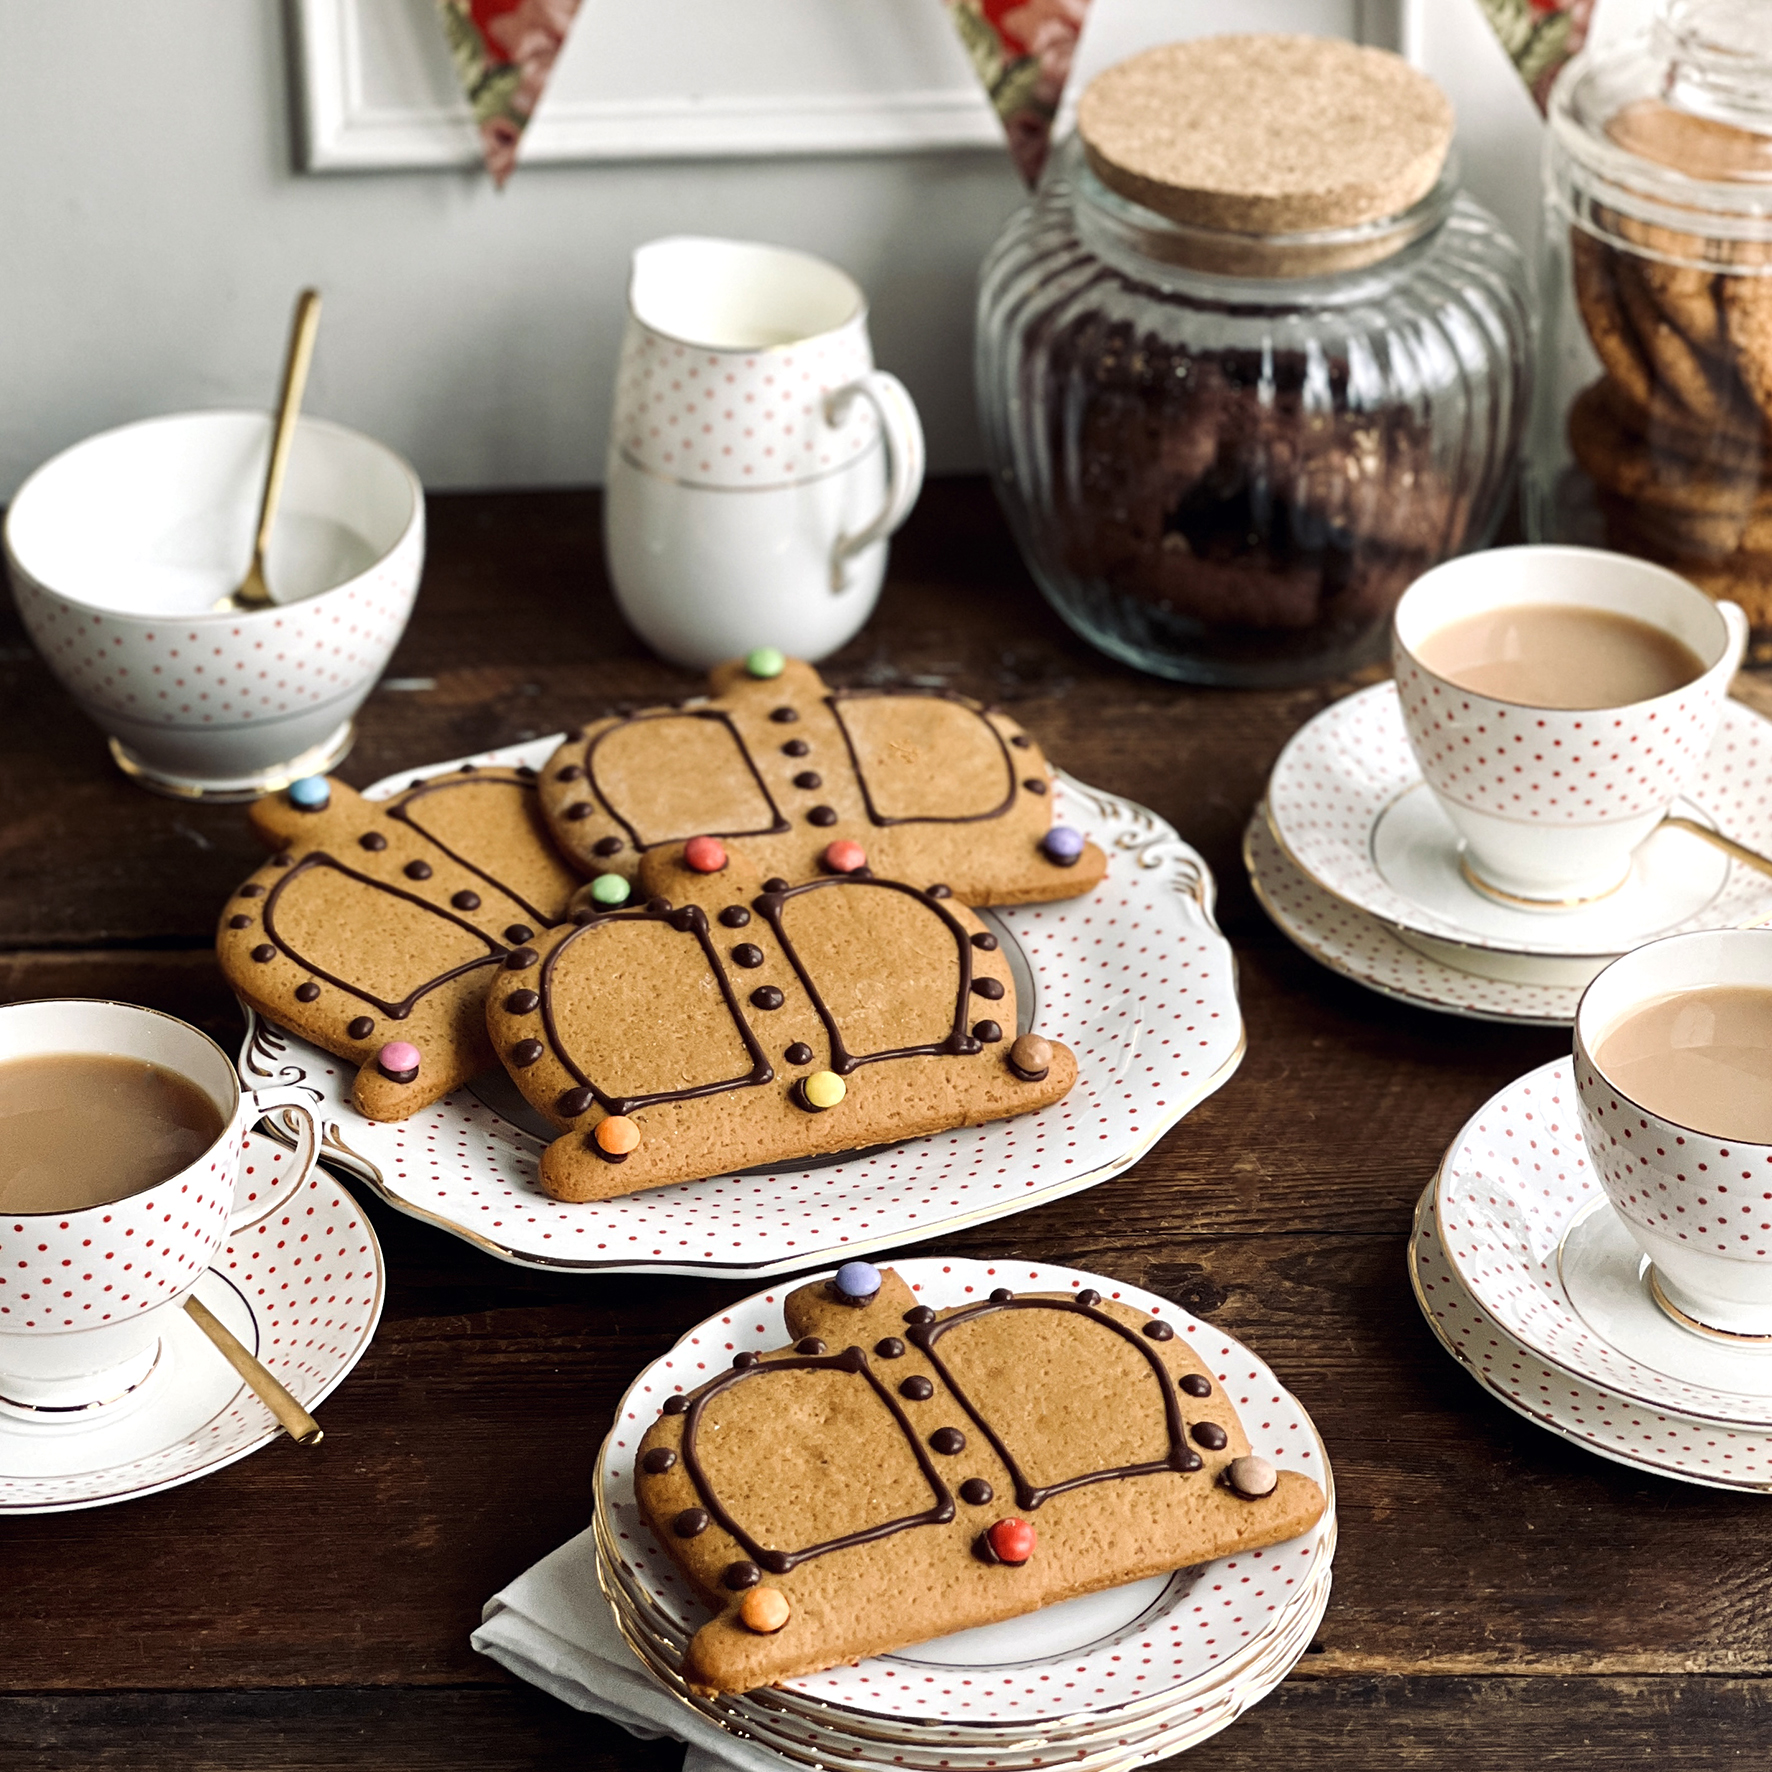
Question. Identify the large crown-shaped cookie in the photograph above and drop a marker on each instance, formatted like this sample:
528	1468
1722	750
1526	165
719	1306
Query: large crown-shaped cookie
900	1473
934	787
377	926
720	1021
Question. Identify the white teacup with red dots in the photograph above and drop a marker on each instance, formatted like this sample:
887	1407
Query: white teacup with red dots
1697	1204
1550	802
84	1293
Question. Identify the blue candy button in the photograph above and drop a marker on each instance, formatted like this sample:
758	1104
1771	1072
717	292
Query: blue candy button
311	793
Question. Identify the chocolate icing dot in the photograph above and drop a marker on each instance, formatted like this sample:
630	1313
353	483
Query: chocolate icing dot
579	809
522	1002
991	989
239	921
525	773
1189	1461
283	860
1034	785
465	901
1088	1296
586	913
775	883
574	1102
1001	1295
373	841
361	1028
1020	740
948	1440
735	916
571	772
741	1575
743	1362
658	906
1194	1383
691	1522
306	993
575	735
810	1346
822	815
417	870
1159	1331
606	846
889	1347
263	952
747	954
766	996
1210	1435
785	716
798	1053
939	891
520	959
809	779
659	1460
917	1389
676	1404
987	1031
795	747
526	1052
975	1492
519	933
919	1314
986	943
776	1562
251	892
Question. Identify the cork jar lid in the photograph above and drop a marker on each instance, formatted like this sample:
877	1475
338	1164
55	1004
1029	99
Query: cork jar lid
1266	134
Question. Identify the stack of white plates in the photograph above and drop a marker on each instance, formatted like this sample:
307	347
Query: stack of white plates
1529	1279
1352	857
1115	1679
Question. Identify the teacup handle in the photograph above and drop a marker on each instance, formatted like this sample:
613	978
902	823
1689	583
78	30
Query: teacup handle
296	1118
1735	620
905	458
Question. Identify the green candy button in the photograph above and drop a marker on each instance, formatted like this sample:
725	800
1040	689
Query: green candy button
610	889
765	661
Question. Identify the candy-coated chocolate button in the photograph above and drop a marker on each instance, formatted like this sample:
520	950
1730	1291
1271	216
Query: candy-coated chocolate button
659	1460
1012	1541
1210	1435
616	1135
1253	1477
824	1089
1030	1057
764	1610
844	856
398	1061
610	889
764	662
706	855
857	1280
1195	1385
1062	845
311	793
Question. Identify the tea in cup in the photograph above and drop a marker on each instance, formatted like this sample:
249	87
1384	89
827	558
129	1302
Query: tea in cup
1673	1079
121	1131
1558	701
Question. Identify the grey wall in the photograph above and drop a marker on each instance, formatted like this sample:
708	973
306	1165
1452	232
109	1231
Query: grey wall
153	233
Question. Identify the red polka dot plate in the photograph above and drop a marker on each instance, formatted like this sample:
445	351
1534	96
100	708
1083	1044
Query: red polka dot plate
1135	978
1106	1662
301	1287
1527	1228
1348	807
1622	1429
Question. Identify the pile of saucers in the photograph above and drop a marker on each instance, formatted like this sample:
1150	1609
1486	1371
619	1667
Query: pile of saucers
1356	861
1115	1679
1531	1280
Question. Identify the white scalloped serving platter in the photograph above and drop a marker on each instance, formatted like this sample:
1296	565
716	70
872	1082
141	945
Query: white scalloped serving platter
1152	1645
1661	1442
1135	978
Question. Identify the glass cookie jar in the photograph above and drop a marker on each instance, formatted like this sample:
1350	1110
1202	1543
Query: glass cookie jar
1651	434
1229	432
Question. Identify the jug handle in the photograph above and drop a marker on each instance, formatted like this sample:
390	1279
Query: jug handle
905	458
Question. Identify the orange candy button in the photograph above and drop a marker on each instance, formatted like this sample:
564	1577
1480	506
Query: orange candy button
617	1135
765	1609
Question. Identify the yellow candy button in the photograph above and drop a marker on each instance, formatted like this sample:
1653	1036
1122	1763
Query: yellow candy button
824	1089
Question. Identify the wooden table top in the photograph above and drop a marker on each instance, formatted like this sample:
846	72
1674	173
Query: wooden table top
1498	1593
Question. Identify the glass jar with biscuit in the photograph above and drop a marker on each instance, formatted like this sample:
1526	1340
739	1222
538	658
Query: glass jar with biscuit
1650	435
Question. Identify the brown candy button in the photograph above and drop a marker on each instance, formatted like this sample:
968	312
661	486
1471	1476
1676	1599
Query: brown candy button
1252	1477
764	1610
1030	1058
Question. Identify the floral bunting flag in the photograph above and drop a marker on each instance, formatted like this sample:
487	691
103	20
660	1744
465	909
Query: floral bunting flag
1539	37
504	51
1021	50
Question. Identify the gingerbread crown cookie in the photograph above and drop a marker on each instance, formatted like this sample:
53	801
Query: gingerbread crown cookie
931	786
900	1473
715	1021
377	926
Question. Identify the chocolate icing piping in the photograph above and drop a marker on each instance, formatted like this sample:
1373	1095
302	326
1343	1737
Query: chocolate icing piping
779	1562
1029	1496
394	1011
689	919
750	762
958	1043
875	815
402	812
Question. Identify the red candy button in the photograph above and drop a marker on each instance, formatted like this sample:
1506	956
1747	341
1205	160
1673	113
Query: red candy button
707	855
844	856
1012	1541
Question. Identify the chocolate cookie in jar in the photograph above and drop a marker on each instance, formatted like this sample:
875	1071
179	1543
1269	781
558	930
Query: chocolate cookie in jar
1250	362
1651	434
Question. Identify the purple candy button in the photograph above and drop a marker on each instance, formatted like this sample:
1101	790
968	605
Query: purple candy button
1062	844
858	1280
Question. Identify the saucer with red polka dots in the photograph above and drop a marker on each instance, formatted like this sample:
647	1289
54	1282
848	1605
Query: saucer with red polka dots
1525	1224
1662	1442
1135	978
1126	1675
301	1287
1347	806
